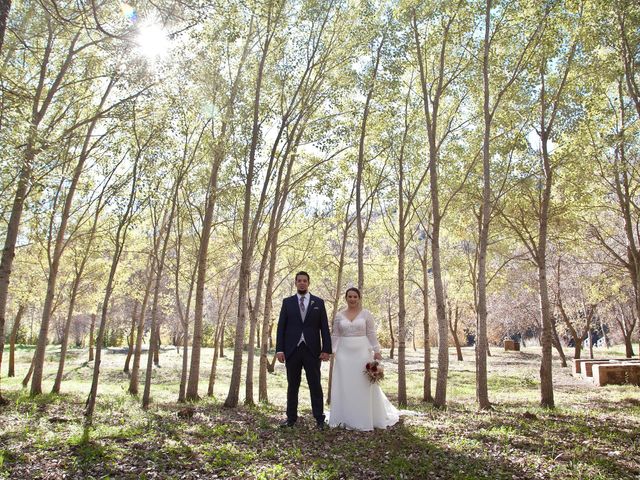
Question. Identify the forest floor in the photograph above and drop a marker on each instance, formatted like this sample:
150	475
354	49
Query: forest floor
593	433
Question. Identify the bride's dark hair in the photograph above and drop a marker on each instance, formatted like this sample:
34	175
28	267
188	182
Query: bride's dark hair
352	289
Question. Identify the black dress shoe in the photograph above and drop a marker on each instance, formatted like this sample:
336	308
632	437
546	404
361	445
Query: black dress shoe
287	424
321	426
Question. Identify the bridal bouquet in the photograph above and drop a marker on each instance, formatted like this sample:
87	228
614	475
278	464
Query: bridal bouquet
374	371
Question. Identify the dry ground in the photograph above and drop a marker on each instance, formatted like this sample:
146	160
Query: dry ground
593	433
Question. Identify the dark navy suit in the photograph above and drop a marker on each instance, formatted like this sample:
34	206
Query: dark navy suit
317	339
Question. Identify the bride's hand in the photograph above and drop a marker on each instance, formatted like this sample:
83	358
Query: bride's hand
377	356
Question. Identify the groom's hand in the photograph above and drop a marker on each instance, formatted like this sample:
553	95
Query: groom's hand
324	356
280	357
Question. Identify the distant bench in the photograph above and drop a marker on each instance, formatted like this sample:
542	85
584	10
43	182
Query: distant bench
511	345
607	371
617	374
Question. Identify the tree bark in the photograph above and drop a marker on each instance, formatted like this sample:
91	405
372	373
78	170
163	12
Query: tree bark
5	8
137	354
391	335
184	315
453	328
424	263
12	341
214	360
91	331
557	344
131	338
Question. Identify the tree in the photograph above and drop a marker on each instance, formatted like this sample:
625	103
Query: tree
448	33
218	153
123	222
553	63
250	221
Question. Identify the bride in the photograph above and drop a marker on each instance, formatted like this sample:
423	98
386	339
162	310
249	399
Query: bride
356	404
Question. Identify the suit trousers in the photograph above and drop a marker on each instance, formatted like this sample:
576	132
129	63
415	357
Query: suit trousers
301	358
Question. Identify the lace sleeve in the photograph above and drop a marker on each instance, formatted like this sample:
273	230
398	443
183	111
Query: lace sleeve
335	333
371	332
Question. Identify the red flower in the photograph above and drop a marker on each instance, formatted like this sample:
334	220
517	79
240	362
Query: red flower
374	371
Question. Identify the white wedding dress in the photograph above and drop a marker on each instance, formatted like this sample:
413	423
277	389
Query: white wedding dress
357	404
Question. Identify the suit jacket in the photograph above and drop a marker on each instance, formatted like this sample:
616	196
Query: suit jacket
315	326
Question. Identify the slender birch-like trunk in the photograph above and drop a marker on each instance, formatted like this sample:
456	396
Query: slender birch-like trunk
12	341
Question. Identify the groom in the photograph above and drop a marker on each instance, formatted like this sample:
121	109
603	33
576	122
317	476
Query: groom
302	324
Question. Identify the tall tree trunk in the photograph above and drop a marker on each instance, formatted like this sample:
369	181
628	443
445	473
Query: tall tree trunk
42	100
546	127
391	335
184	317
249	229
5	8
482	392
165	232
404	207
196	344
361	162
546	370
74	293
453	328
8	252
12	341
156	348
131	338
431	97
119	242
557	344
214	360
347	223
58	249
218	155
137	354
426	335
91	332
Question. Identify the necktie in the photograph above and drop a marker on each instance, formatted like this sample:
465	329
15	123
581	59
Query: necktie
302	309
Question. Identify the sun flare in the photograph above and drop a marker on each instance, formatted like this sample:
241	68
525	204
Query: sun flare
152	40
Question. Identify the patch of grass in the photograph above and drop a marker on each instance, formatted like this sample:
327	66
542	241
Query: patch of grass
320	471
227	458
213	431
506	382
88	454
272	472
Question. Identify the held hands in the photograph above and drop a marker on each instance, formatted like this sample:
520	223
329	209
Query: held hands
377	356
324	356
